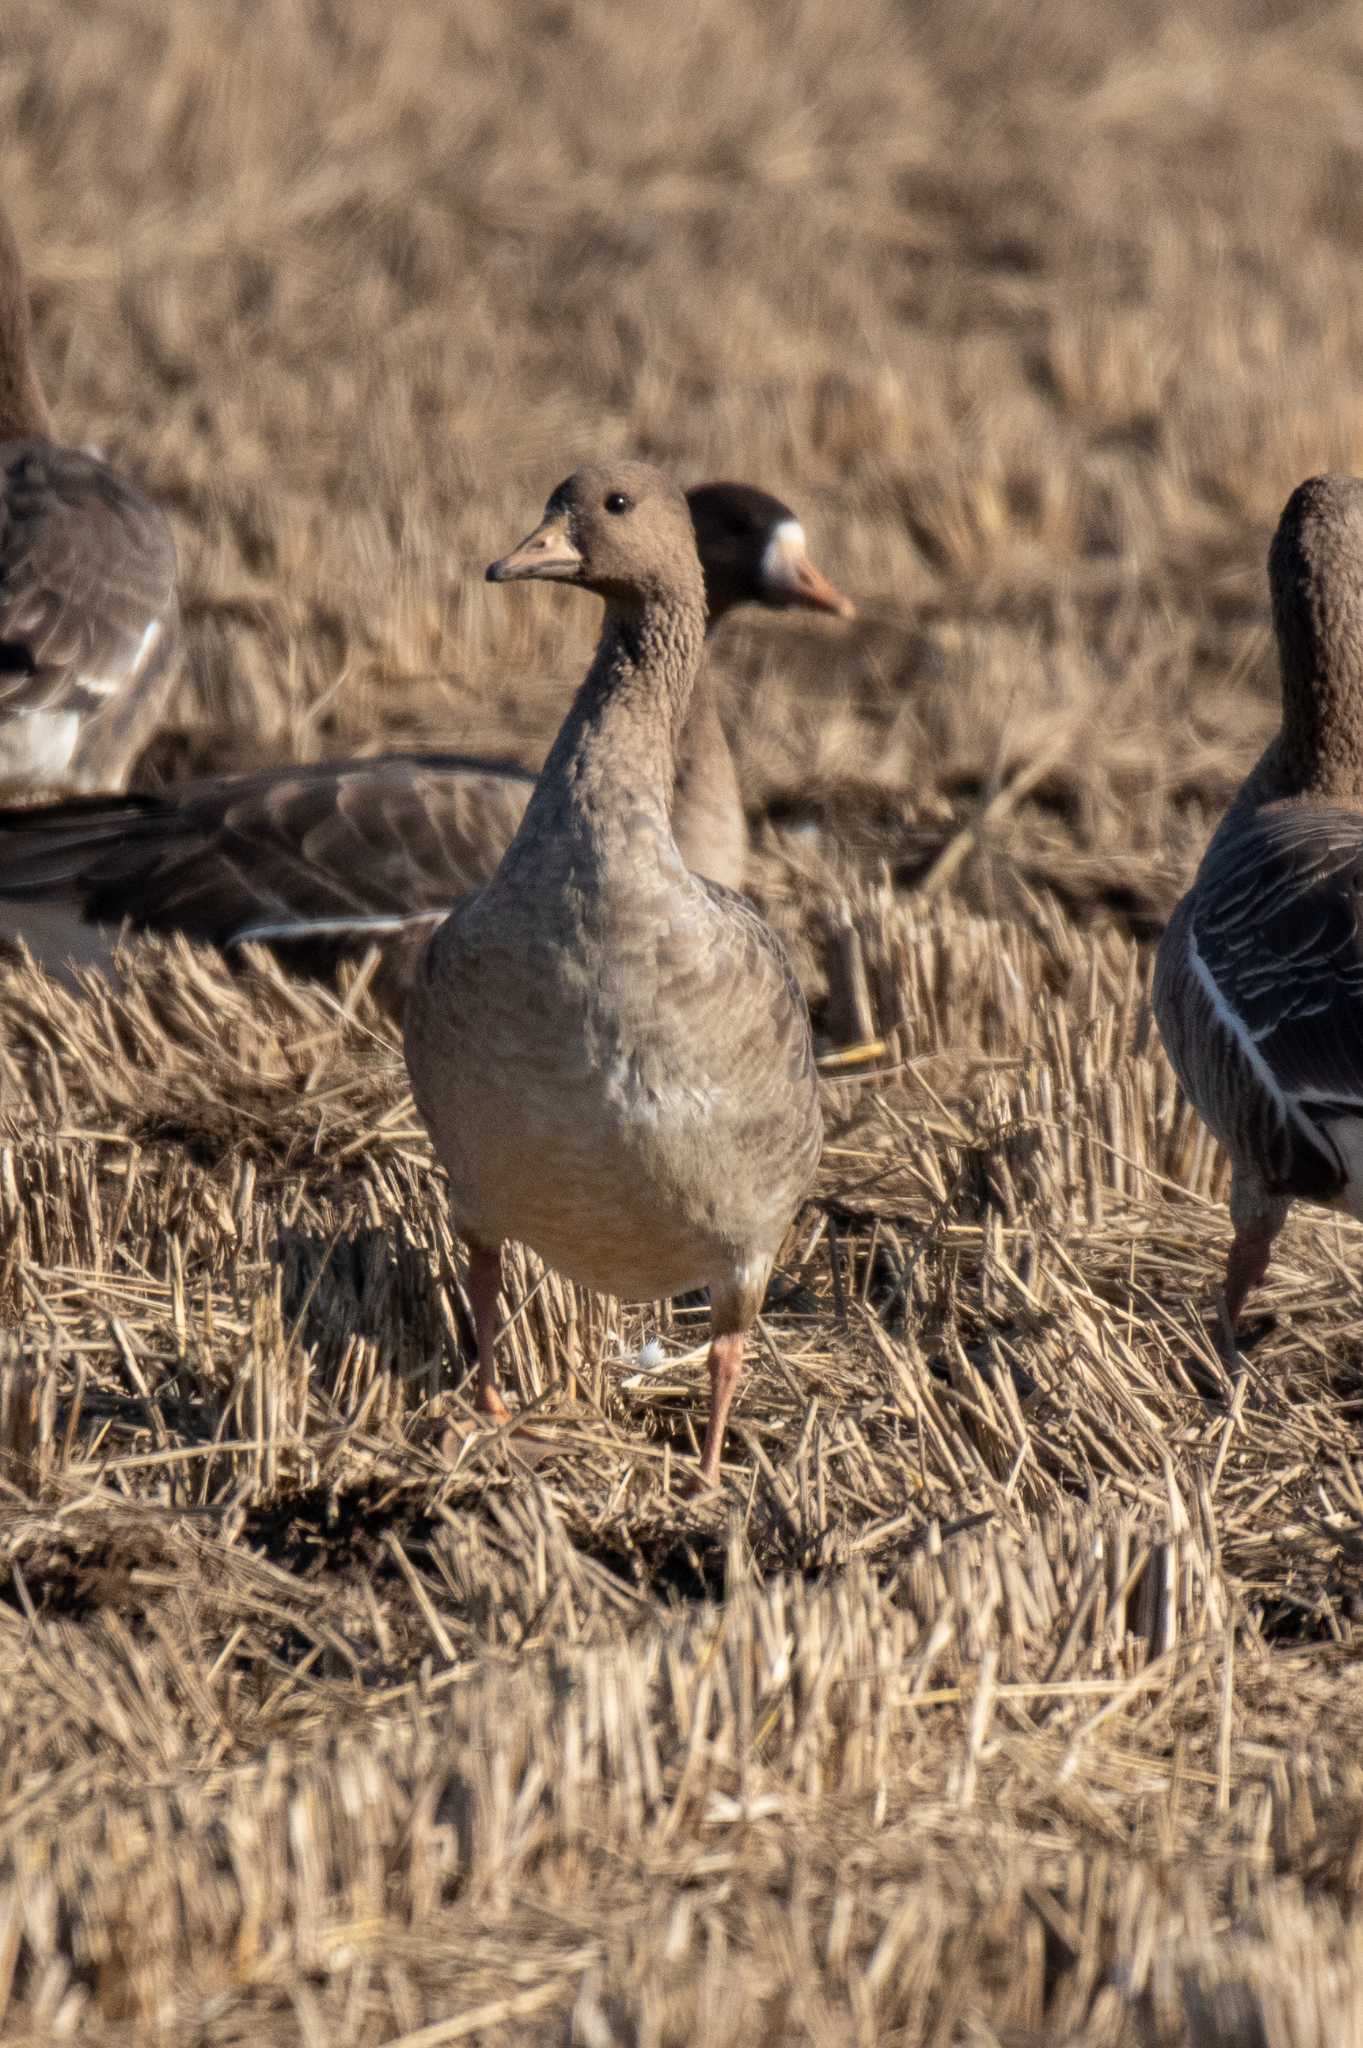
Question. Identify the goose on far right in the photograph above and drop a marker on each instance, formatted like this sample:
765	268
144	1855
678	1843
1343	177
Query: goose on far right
1259	976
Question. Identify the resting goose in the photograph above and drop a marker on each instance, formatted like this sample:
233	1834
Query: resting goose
89	624
322	860
612	1053
1259	976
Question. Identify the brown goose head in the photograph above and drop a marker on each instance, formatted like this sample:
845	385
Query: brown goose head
1315	573
622	529
753	551
23	408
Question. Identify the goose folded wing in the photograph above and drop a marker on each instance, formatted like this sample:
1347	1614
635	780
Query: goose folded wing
1278	926
359	848
730	978
329	847
87	582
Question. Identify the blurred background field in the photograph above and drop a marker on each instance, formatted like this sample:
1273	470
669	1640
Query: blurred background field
1011	1694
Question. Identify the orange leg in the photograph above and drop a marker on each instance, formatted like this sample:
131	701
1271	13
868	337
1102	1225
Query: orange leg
1258	1217
1246	1265
485	1285
726	1366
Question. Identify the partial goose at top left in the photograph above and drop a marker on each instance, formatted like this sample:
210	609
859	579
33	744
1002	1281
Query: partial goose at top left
89	620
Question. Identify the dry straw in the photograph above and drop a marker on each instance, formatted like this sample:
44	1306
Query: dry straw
1010	1696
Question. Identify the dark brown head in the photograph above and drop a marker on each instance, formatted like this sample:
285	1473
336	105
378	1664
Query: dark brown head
753	551
621	529
1315	573
23	409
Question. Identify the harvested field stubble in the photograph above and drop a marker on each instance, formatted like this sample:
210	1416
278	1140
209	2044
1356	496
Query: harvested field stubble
1011	1694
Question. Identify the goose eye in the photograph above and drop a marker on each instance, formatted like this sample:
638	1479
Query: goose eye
617	501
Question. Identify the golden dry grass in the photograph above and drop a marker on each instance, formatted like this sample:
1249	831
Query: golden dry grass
1011	1695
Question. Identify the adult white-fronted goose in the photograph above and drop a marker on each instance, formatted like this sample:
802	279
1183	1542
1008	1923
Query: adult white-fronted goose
1259	976
89	624
612	1053
315	859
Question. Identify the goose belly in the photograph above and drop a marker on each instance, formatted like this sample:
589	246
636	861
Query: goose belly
1346	1134
619	1185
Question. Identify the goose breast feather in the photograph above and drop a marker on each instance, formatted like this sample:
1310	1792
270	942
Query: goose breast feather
685	1046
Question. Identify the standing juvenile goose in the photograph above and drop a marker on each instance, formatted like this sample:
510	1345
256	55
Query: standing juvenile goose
89	624
319	859
1259	976
612	1053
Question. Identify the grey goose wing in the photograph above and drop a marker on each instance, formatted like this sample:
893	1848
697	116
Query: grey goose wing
318	858
89	620
1276	938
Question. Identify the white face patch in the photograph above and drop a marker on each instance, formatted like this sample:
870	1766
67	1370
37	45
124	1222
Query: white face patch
786	547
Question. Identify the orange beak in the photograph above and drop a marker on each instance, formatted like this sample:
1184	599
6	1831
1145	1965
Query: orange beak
547	554
791	578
